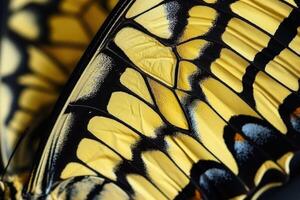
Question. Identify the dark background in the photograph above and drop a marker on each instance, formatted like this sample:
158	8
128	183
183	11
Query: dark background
290	191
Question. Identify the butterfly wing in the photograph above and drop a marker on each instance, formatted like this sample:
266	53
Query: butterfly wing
42	43
179	99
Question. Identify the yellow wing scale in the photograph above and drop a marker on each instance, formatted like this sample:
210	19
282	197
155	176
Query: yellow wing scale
178	112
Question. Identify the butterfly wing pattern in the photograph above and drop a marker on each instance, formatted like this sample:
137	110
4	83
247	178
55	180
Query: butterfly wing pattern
195	99
42	42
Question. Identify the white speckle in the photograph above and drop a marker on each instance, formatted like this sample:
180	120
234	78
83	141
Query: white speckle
99	68
172	10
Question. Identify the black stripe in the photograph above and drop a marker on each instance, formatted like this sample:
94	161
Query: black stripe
269	53
297	2
287	30
96	190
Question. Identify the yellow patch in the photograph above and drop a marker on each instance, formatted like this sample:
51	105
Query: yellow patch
210	129
284	68
164	174
185	72
224	101
98	157
268	102
24	23
148	54
112	191
295	43
75	169
50	70
259	12
140	6
114	134
135	113
192	49
156	21
186	151
95	12
230	68
237	37
168	105
134	81
143	189
200	21
73	31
